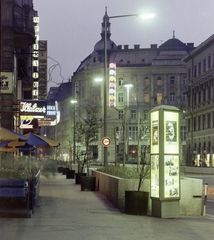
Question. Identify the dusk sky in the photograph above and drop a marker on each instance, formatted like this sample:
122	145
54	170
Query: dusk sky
73	27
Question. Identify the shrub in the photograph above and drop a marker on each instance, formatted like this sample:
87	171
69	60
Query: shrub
14	173
120	171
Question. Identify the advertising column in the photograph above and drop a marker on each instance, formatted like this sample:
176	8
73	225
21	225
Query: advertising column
165	162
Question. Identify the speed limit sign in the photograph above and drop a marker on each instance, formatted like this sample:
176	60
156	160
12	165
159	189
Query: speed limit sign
106	141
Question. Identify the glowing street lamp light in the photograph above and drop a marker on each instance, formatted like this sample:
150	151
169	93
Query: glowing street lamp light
105	84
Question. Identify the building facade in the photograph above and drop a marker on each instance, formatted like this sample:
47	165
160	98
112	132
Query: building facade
157	75
200	105
17	37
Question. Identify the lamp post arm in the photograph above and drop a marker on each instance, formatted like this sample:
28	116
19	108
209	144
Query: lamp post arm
127	15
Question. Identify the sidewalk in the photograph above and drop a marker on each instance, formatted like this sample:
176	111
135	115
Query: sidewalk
64	212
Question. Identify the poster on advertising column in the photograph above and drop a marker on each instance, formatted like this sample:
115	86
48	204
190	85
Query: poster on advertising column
171	136
171	176
155	176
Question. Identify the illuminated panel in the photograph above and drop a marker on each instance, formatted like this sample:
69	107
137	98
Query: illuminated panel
112	85
155	138
171	176
171	136
35	62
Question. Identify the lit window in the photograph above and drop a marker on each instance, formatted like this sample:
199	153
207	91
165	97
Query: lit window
159	98
146	97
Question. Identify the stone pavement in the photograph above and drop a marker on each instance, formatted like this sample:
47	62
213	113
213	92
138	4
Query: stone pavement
64	212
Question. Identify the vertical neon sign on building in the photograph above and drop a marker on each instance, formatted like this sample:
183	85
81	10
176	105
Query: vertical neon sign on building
112	85
35	62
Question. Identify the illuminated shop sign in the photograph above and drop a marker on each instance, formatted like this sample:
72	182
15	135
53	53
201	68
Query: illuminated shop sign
35	61
33	108
112	84
52	117
39	112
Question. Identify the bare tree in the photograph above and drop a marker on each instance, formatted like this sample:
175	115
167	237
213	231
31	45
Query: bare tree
87	129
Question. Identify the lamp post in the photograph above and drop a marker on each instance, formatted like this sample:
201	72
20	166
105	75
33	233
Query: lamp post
105	84
126	137
74	132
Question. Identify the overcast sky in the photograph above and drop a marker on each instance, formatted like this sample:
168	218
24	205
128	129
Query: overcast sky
73	27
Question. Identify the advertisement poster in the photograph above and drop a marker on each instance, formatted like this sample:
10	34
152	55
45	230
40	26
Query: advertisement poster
155	138
155	176
171	133
155	133
171	176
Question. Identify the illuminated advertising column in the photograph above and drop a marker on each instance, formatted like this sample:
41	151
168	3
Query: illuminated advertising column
165	162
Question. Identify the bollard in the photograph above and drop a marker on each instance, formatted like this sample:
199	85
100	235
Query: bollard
205	199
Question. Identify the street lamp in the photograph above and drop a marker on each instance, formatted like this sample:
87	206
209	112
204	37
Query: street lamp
74	132
105	84
126	126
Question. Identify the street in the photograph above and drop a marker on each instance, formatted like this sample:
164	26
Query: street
210	204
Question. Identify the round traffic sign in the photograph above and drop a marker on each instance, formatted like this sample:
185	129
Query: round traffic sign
106	141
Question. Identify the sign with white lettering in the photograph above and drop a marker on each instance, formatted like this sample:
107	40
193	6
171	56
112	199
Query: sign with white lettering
33	108
6	82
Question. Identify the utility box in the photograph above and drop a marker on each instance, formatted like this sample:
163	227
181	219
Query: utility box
165	161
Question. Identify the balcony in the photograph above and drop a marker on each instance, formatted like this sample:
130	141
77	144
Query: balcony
24	34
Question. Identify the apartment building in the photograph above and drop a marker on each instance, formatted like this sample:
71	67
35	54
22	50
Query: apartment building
200	105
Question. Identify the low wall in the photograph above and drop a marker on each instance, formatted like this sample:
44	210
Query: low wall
114	189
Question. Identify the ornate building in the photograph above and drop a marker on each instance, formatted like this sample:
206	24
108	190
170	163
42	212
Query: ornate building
157	75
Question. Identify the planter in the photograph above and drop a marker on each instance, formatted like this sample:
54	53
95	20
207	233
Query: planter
64	170
70	174
136	202
88	183
60	169
78	177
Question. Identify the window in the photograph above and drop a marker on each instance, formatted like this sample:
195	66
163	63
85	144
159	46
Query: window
96	99
146	81
204	65
189	74
146	97
203	119
194	124
120	81
172	80
184	96
133	132
204	95
159	81
146	115
209	62
159	98
199	122
199	97
183	133
195	71
120	97
208	120
172	97
133	97
213	118
199	68
133	114
120	114
188	125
